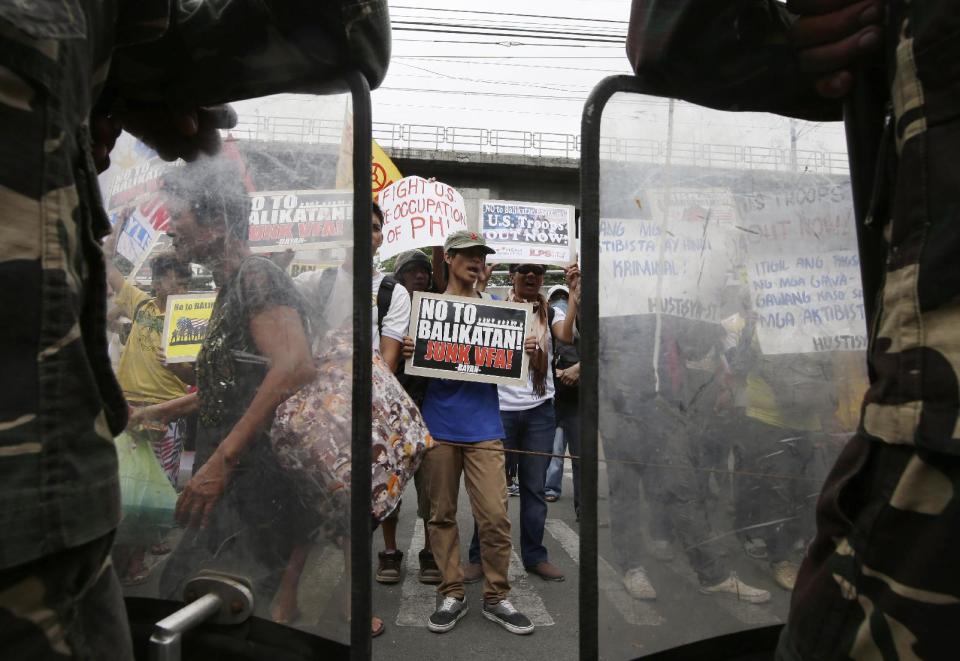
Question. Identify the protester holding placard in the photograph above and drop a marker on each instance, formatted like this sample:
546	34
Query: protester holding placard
463	416
329	294
785	397
643	395
413	270
528	416
566	366
419	213
146	379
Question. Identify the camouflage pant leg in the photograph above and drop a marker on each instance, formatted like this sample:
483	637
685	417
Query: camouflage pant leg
64	606
881	580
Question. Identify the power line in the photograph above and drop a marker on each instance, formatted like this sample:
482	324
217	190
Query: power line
491	82
503	64
536	30
508	57
497	13
505	44
548	28
508	34
499	24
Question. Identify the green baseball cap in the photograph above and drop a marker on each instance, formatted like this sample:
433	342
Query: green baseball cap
466	239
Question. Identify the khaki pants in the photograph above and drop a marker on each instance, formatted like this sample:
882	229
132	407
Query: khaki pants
483	471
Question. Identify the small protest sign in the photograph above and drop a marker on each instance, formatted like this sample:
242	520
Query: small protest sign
185	325
300	219
469	339
803	268
528	232
141	227
674	261
418	213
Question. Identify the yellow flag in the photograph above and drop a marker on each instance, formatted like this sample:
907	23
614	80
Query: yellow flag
383	170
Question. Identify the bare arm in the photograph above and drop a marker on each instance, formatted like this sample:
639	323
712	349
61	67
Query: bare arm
563	330
391	349
166	412
279	336
114	278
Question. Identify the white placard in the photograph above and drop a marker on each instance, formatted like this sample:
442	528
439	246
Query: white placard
419	213
528	232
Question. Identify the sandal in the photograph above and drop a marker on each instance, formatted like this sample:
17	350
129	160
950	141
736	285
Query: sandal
377	627
139	577
161	548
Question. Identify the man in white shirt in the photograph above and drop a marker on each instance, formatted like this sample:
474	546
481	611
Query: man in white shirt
528	416
330	295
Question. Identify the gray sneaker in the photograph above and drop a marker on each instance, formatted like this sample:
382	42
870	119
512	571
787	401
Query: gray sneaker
508	617
447	615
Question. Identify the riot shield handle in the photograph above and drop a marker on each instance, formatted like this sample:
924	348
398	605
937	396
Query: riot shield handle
210	597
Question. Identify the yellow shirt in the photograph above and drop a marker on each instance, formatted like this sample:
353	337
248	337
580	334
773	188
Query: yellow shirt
762	405
142	376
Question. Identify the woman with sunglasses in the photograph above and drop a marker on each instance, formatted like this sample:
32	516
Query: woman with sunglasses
528	416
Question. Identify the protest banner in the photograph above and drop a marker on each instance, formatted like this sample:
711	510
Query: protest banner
674	260
528	232
134	172
296	268
469	339
300	220
185	325
141	227
418	213
803	269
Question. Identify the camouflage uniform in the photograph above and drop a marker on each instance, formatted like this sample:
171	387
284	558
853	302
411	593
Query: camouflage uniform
61	406
881	580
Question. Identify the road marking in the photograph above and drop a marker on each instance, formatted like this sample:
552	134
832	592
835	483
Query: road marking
417	601
744	611
524	596
634	611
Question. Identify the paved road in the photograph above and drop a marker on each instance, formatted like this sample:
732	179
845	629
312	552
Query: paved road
628	628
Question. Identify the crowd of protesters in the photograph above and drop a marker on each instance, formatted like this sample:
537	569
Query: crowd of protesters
681	403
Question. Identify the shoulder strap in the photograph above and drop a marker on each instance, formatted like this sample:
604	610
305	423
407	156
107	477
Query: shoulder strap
320	299
384	297
325	287
551	314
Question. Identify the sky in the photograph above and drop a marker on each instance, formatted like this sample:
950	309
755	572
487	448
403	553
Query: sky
536	73
513	81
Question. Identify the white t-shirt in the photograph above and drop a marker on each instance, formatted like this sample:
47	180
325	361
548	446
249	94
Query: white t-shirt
339	305
522	398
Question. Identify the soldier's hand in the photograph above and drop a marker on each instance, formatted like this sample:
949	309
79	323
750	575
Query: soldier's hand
833	37
179	133
104	131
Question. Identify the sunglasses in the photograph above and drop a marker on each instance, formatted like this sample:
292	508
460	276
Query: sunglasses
524	269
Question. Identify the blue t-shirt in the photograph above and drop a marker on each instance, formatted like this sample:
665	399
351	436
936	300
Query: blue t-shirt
463	411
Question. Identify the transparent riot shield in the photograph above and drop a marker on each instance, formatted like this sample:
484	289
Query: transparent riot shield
724	332
241	338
